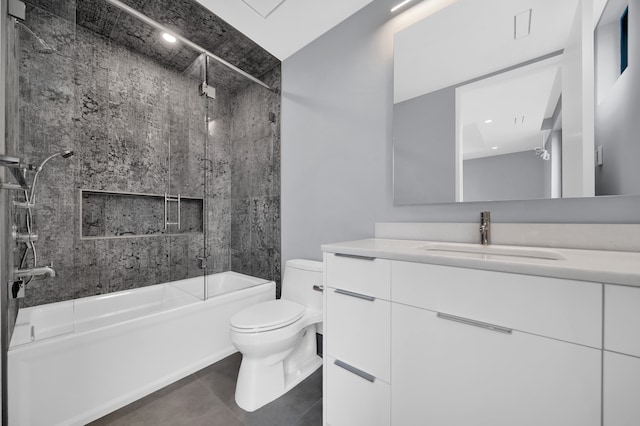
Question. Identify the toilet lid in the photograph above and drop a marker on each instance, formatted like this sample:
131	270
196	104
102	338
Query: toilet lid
268	315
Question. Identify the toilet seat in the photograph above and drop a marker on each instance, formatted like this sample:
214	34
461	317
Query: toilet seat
267	316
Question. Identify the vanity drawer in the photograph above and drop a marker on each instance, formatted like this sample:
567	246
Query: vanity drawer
622	319
562	309
369	276
358	331
355	400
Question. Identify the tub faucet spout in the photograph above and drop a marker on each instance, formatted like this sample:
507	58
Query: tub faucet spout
32	272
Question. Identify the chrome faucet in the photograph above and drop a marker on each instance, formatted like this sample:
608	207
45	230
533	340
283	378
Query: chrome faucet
485	222
32	272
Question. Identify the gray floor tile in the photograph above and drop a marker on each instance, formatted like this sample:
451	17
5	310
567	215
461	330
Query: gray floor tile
222	418
184	402
207	398
313	417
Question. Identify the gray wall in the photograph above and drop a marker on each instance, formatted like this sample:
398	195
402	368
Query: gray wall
255	181
516	176
138	126
617	124
424	148
337	111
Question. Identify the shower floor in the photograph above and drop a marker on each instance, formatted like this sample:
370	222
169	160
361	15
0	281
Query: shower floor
207	398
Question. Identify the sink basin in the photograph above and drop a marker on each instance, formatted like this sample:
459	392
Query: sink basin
496	252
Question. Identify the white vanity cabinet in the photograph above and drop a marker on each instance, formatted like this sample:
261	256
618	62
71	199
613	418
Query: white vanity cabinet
410	343
469	348
357	340
621	366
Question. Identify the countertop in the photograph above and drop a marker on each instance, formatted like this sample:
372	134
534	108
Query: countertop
610	267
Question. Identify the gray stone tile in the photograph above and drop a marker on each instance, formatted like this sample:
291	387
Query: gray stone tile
313	417
65	9
185	402
265	216
138	126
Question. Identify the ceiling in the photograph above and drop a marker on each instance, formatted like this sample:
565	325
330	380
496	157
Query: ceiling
473	38
289	24
516	102
253	35
185	17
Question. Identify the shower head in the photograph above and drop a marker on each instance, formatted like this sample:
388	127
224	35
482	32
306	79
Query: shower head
543	153
65	153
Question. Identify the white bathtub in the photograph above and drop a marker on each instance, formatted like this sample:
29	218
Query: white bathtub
72	362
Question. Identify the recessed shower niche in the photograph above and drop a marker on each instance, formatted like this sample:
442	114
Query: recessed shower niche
119	214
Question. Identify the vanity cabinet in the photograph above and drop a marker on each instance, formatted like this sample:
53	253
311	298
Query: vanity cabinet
501	349
409	343
357	340
621	366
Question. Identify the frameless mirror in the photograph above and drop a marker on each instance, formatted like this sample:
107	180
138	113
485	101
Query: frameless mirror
496	100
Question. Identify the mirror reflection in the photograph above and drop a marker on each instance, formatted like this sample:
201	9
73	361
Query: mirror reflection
511	126
496	100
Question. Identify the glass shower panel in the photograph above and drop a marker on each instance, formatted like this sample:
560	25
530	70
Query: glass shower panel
99	82
42	136
187	177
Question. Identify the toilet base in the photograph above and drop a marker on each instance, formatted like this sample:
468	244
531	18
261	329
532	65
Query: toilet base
262	380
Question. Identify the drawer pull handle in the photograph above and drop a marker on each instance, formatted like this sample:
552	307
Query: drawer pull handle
354	256
357	295
319	288
354	370
475	323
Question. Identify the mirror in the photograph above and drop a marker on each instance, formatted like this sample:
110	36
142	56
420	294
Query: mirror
496	100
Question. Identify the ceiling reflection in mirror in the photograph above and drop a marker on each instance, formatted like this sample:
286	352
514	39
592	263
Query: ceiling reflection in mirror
495	100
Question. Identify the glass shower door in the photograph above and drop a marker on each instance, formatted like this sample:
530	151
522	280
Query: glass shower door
186	197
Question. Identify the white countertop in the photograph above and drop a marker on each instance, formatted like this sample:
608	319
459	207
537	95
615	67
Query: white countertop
612	267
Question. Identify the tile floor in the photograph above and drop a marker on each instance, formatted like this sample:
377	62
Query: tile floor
207	398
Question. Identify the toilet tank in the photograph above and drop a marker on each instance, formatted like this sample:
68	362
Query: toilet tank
300	276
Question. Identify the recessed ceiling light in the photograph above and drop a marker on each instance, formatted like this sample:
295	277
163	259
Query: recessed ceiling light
488	121
168	37
494	147
399	5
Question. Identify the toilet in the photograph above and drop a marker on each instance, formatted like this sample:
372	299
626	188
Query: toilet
277	338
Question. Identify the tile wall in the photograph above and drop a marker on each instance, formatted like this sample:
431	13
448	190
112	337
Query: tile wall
138	126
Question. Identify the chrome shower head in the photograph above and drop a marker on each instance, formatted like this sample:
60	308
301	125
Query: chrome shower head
65	153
